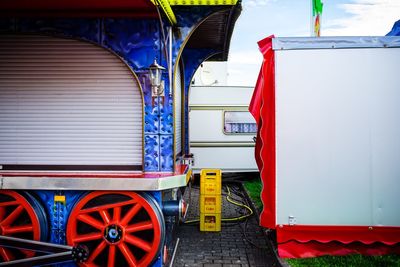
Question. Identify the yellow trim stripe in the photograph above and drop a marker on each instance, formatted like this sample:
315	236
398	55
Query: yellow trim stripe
166	7
202	2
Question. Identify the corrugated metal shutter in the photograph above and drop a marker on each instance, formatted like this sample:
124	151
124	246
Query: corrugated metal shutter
178	111
66	102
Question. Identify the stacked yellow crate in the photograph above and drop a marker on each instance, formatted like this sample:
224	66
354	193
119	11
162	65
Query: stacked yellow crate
210	200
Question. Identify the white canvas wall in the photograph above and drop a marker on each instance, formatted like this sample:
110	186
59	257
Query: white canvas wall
338	136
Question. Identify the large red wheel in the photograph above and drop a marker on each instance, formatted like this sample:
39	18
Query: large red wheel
118	228
18	218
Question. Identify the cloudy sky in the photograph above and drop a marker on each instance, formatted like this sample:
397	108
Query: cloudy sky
261	18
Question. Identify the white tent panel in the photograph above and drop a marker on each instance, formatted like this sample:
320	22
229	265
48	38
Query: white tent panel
337	136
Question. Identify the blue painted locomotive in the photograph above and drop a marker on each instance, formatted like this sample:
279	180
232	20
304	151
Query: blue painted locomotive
92	152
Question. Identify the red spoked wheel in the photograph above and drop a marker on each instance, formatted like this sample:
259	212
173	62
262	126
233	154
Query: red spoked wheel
117	228
18	218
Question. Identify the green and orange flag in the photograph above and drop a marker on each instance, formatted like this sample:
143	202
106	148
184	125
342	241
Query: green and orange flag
317	6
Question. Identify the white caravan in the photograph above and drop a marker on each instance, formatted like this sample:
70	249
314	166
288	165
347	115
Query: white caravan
221	130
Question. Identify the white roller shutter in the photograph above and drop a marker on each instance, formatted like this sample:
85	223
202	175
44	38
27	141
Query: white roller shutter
66	102
178	111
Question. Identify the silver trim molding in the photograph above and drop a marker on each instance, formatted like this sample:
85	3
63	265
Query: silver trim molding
84	183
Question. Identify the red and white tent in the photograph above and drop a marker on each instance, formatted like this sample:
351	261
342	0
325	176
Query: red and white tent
328	146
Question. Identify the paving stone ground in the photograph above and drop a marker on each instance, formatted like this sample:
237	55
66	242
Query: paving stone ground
232	247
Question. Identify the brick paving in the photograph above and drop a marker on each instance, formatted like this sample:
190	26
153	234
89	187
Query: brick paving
228	248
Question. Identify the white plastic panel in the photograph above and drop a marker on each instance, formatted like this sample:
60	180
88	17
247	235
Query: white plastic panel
229	159
337	136
66	102
220	95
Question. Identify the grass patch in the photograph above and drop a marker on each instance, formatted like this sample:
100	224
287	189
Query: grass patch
254	188
347	261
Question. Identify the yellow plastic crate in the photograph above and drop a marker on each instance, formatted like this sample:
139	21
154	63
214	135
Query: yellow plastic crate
210	222
210	189
210	203
210	182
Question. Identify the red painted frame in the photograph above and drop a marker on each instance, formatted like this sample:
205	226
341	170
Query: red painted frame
300	241
79	8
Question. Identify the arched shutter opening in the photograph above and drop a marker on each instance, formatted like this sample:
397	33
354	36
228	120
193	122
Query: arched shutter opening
67	103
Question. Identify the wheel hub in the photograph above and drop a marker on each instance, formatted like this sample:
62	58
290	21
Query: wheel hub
113	233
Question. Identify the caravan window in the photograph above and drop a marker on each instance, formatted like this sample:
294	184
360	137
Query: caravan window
239	122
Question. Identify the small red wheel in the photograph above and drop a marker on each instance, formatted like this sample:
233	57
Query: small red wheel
18	219
118	228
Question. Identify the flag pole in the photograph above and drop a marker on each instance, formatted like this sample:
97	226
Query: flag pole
312	18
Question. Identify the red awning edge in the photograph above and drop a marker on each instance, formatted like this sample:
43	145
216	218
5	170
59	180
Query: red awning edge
262	107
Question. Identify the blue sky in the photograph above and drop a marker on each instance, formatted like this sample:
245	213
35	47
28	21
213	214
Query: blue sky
261	18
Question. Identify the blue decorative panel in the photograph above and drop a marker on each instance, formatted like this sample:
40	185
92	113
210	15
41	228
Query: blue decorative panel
191	16
151	152
58	213
157	196
135	40
167	116
166	152
166	112
86	29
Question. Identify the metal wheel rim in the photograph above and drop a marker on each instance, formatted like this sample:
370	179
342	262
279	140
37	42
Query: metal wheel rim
18	219
119	216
